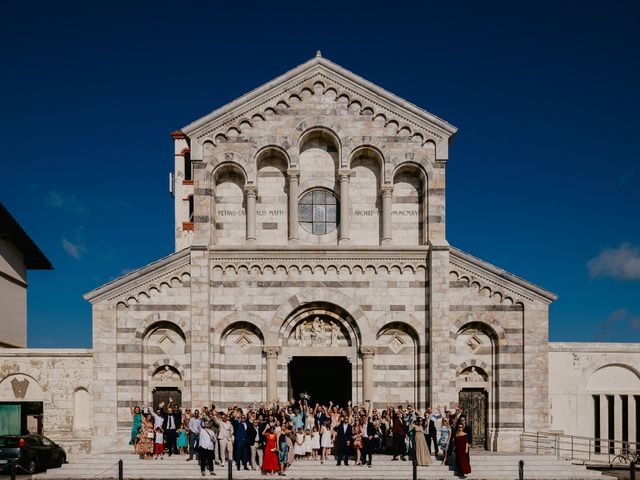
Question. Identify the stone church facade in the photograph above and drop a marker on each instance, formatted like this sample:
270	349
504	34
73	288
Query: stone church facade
310	242
311	256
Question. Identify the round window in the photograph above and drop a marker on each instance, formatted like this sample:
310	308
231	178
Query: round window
318	212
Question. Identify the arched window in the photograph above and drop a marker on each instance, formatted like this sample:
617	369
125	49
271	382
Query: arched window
190	198
318	211
188	167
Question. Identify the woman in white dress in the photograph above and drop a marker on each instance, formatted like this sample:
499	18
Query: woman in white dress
326	442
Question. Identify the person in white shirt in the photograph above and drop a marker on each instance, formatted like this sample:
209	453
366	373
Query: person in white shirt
225	439
207	448
195	424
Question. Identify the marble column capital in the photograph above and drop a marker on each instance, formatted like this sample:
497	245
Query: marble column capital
368	352
344	175
271	352
293	174
251	190
387	191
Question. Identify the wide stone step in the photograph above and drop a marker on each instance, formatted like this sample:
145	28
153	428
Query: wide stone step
485	465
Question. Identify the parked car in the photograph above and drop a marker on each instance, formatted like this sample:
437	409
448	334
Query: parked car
31	452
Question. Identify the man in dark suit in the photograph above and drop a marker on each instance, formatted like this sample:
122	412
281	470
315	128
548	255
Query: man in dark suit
370	437
241	439
170	423
344	437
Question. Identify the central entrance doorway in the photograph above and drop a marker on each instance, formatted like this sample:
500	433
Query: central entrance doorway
323	378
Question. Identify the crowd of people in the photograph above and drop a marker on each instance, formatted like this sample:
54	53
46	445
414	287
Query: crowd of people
271	437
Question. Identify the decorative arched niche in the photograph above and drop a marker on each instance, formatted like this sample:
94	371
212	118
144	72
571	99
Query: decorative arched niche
366	204
272	202
408	219
81	409
319	157
229	211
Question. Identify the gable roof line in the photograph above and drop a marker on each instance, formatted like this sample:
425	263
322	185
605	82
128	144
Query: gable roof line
307	66
124	281
540	292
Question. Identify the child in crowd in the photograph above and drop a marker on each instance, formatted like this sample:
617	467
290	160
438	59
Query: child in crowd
182	441
307	444
315	443
299	449
159	444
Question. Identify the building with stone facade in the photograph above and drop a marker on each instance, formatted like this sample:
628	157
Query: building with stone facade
310	244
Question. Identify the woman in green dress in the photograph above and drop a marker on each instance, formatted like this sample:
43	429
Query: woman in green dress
136	414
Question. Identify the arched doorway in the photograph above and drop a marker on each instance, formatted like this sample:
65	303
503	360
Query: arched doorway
324	379
320	344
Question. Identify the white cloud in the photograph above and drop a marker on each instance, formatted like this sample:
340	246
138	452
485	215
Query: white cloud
622	263
68	203
75	250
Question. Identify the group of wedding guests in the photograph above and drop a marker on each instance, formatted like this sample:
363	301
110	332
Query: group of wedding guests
272	436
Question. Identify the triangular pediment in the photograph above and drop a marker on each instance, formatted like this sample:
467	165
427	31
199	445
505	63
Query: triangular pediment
495	279
372	100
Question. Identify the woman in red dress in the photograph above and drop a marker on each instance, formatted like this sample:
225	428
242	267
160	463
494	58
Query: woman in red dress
461	442
270	463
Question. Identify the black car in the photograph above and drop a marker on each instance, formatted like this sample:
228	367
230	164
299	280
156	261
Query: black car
31	452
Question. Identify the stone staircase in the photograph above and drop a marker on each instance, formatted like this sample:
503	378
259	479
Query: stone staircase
485	465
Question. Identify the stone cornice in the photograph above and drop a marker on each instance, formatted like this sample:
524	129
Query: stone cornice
594	347
45	352
140	277
498	277
300	258
346	80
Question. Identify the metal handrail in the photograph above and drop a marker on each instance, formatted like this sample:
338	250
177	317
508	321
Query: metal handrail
576	447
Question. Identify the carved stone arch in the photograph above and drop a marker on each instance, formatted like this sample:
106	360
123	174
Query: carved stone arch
626	366
306	313
238	319
28	389
170	318
310	296
410	325
472	362
368	149
422	164
491	326
231	161
309	124
263	146
158	364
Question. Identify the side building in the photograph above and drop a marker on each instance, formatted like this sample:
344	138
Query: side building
41	390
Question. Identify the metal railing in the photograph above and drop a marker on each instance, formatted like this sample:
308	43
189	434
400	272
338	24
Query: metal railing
573	447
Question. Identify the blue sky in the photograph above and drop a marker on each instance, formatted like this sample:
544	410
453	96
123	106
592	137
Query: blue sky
543	176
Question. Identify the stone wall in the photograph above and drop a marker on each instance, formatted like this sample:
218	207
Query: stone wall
581	374
61	380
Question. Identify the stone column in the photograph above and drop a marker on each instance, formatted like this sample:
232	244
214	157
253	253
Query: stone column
631	416
604	423
387	205
344	177
294	183
271	354
251	192
367	372
617	425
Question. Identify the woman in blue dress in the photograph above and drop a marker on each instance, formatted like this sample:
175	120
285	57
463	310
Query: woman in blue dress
136	414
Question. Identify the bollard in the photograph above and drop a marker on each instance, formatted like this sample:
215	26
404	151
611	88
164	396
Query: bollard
632	471
13	470
521	469
230	471
120	470
415	464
